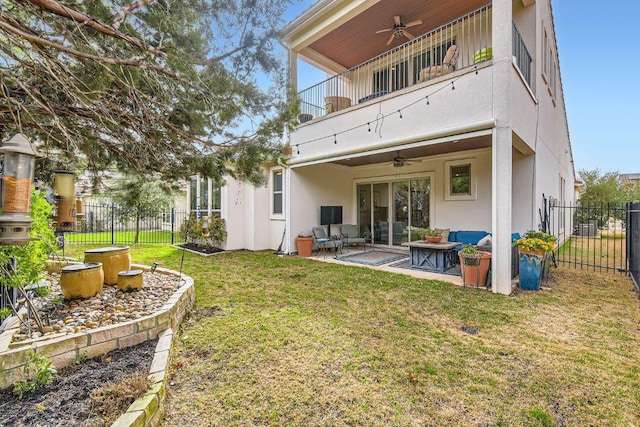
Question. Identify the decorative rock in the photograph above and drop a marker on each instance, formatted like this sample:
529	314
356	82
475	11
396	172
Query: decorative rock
110	306
46	329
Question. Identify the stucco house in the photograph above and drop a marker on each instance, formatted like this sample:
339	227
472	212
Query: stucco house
433	114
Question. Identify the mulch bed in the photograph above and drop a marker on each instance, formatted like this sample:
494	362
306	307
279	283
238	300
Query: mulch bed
201	249
66	400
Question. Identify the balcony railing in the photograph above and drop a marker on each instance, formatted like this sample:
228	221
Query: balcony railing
420	59
521	53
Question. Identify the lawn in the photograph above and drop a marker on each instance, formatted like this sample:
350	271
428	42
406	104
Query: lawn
288	341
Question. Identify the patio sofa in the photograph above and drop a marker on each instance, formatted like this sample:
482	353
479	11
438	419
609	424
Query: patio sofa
467	237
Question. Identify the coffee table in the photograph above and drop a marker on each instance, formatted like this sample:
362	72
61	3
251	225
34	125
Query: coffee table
436	257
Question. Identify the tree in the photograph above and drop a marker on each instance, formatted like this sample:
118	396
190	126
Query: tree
140	199
602	191
150	85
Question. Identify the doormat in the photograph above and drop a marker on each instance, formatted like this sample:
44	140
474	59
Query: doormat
374	257
404	264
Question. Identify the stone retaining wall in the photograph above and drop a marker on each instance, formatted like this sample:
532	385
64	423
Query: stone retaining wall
64	349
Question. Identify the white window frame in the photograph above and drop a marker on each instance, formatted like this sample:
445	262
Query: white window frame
472	182
207	210
272	193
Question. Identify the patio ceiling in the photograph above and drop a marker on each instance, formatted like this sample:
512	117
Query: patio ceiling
355	41
417	152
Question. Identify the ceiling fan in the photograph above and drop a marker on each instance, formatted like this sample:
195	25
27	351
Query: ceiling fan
399	161
399	29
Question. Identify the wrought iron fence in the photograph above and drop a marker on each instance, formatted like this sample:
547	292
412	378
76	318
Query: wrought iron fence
114	225
633	242
593	237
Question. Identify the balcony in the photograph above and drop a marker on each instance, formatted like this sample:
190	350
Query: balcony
461	43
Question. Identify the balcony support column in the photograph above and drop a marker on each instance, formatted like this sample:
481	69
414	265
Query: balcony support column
292	69
502	148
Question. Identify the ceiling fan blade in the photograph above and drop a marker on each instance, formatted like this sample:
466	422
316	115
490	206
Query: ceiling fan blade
383	31
413	23
397	20
391	39
408	34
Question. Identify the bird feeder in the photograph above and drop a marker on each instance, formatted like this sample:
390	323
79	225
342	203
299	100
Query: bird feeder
205	226
63	184
65	195
17	177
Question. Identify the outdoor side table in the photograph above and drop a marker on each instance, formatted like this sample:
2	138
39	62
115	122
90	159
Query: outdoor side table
435	257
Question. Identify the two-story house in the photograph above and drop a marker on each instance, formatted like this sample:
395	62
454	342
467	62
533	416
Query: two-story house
433	114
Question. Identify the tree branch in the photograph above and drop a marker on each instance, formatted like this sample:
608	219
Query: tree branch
120	16
61	10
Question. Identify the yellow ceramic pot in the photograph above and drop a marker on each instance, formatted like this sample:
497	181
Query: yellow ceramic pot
130	280
81	280
114	260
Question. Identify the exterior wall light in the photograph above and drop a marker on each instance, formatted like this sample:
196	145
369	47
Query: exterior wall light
17	177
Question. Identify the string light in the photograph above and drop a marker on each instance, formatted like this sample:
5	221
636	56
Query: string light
380	117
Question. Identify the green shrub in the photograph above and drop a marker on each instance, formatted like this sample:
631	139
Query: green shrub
38	372
192	229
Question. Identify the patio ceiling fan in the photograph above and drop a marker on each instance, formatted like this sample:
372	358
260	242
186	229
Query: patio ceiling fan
399	161
399	29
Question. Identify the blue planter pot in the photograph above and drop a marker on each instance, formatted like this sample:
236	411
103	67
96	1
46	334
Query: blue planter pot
530	271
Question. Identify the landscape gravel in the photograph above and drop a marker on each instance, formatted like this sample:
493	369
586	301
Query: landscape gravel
108	307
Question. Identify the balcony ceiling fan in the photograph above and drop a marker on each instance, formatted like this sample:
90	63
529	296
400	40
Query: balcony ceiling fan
399	29
399	161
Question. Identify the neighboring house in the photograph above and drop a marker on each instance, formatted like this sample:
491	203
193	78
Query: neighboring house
629	178
436	114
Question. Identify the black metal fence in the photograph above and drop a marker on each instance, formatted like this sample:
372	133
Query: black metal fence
594	237
633	242
111	224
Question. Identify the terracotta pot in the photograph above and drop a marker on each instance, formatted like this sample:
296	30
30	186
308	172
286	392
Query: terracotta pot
433	239
470	272
305	245
81	280
114	260
130	280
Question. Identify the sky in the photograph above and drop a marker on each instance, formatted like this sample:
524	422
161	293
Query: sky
598	49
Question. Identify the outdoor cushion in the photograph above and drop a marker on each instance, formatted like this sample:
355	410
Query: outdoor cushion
466	237
444	232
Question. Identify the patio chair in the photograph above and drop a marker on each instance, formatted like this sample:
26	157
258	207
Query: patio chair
351	236
448	65
324	242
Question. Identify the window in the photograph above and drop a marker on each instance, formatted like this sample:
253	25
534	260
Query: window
205	197
460	180
277	190
545	55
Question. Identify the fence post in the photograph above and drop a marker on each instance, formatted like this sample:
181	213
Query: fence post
173	226
113	221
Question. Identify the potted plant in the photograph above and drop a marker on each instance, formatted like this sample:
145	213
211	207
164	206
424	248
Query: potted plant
474	265
533	249
304	241
432	236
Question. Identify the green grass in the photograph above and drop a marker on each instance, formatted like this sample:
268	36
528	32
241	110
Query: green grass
122	237
289	341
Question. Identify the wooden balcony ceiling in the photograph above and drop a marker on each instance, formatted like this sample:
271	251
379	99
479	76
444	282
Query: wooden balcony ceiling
356	41
416	152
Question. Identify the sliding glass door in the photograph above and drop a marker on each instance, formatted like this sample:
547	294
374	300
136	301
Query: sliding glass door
392	211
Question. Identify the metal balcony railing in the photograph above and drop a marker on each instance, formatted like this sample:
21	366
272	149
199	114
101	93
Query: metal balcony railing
420	59
522	56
